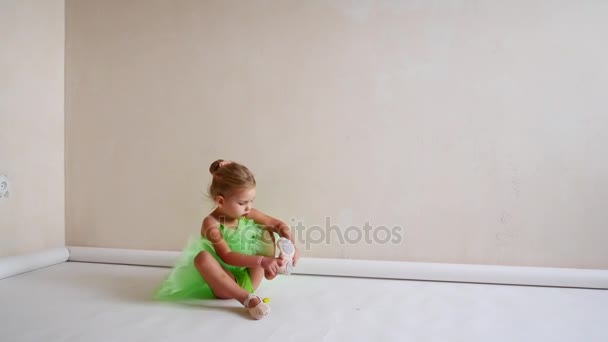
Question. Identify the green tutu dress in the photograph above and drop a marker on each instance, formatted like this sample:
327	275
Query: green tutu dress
184	281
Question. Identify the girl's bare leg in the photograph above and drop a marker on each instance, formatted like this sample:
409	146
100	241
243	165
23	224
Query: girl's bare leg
220	281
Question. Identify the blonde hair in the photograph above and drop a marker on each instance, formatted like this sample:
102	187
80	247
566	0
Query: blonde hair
229	177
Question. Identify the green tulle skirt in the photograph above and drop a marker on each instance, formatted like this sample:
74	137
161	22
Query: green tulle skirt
185	282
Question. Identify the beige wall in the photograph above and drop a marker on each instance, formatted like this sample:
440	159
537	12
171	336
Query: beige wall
32	124
477	127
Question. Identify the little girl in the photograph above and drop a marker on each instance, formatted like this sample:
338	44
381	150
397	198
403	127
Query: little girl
236	247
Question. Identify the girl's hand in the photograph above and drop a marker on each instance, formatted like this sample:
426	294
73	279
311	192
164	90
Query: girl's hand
272	265
296	256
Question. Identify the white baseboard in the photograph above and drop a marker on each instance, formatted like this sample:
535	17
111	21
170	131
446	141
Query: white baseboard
14	265
486	274
123	256
510	275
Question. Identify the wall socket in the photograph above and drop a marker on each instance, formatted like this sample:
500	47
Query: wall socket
4	186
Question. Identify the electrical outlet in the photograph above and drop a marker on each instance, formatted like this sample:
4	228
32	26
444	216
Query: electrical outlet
4	186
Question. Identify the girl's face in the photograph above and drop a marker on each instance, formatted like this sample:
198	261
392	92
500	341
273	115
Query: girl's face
238	204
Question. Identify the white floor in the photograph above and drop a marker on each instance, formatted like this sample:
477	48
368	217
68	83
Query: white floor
99	302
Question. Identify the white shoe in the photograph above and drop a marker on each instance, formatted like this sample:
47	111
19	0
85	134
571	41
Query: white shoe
259	311
286	252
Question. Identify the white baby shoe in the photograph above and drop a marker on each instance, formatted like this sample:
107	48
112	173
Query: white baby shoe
260	310
286	252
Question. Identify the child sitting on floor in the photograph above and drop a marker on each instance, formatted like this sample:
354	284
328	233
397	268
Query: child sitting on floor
236	247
